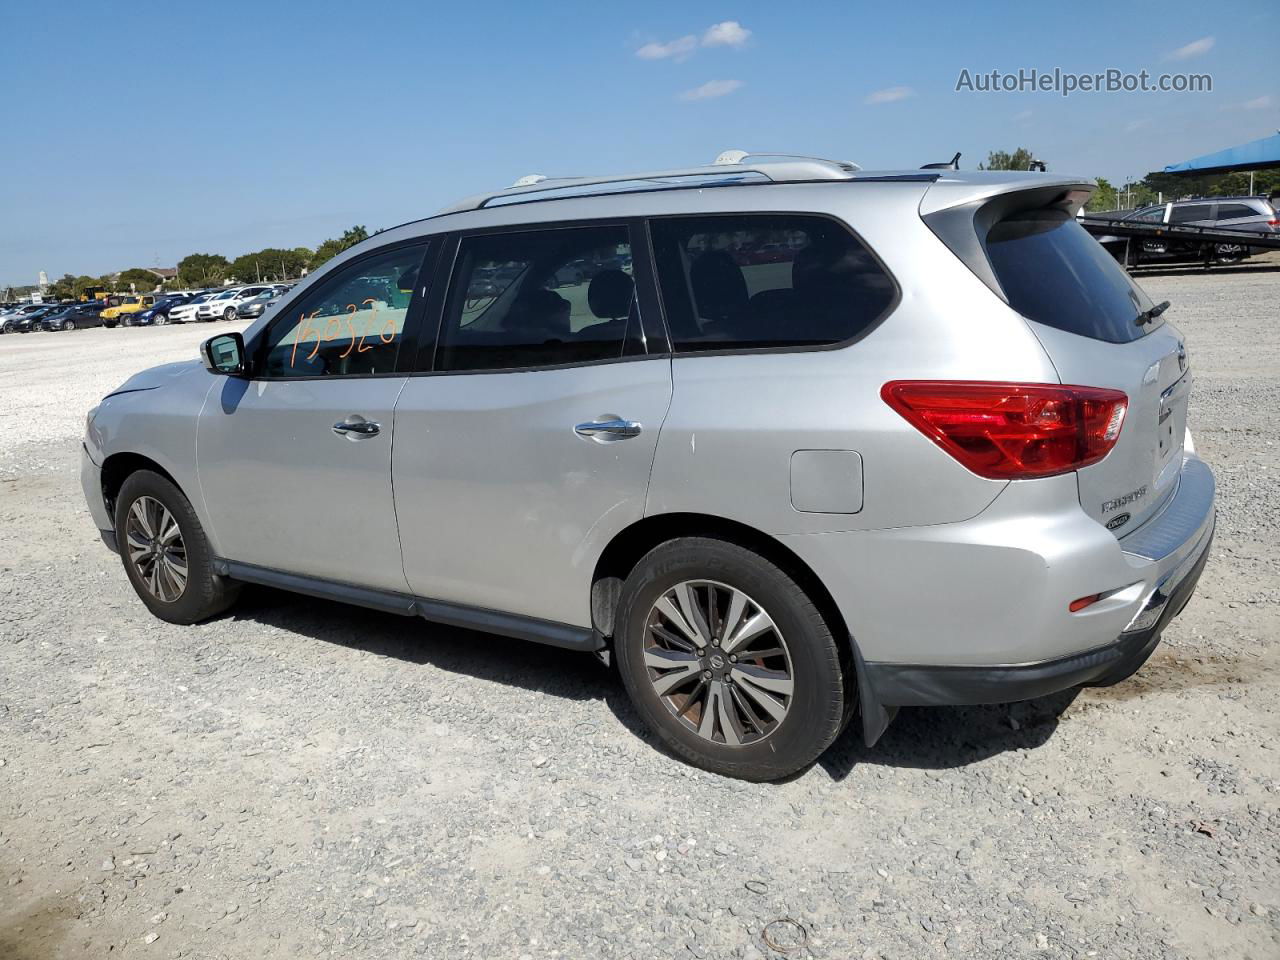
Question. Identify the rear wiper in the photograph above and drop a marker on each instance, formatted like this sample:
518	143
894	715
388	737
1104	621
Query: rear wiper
1146	316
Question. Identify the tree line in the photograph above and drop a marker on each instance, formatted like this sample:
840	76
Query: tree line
213	269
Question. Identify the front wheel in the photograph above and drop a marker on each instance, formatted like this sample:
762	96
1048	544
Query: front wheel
166	554
728	660
68	325
229	313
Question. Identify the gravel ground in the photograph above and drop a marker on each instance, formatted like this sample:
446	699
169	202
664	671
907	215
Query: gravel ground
305	779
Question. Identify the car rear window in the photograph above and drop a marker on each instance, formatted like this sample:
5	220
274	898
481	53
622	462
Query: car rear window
1055	273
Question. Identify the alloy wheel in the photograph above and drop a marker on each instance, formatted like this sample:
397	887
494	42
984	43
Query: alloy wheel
156	549
68	325
718	662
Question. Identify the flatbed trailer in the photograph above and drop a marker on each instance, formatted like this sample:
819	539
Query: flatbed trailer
1207	239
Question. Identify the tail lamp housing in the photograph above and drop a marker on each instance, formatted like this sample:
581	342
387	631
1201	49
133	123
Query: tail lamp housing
1012	431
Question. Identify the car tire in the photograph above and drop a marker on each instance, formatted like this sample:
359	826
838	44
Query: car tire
701	698
229	313
68	325
148	508
160	320
1227	254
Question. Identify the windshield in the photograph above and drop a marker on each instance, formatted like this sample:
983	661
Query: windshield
229	293
1052	271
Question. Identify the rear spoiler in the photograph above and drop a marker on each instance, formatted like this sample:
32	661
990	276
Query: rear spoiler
964	224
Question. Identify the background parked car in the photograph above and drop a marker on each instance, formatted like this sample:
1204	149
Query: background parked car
186	312
226	304
75	316
156	314
133	304
21	320
251	309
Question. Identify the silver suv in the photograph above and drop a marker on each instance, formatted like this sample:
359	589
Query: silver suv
791	443
1251	214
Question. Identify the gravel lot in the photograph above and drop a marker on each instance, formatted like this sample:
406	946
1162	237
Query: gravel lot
305	779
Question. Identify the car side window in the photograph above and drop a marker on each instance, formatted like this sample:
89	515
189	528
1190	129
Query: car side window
759	281
1191	213
1150	215
350	323
537	298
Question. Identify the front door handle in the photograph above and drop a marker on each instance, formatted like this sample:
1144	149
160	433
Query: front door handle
607	429
356	429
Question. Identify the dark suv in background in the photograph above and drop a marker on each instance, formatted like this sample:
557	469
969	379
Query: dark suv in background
1255	214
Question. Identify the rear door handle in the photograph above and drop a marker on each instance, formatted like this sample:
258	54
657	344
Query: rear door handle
607	429
357	429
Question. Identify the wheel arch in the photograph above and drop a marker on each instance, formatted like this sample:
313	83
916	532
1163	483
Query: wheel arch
118	467
626	548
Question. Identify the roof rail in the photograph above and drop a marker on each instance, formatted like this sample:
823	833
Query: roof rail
730	167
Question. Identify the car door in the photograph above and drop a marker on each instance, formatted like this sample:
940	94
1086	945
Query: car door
527	441
295	461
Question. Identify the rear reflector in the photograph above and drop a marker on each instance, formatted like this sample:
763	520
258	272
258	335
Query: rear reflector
1076	605
1012	431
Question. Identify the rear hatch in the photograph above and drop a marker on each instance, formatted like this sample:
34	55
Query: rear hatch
1090	316
1085	310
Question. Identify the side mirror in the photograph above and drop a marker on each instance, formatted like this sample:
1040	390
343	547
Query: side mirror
224	354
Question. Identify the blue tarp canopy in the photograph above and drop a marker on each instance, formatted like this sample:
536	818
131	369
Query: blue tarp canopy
1257	155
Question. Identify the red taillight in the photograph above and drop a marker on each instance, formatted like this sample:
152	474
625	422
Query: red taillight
1012	431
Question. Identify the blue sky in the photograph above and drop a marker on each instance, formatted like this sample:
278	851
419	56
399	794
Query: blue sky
136	133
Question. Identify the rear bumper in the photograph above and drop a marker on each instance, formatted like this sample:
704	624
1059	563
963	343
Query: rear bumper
919	685
979	611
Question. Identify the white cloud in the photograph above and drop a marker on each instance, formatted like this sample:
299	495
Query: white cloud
890	95
1193	49
1020	117
1135	125
711	89
680	49
730	33
1257	103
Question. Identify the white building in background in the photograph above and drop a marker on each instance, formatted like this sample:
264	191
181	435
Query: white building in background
43	282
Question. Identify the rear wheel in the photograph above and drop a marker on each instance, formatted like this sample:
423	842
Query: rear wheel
1226	254
728	660
165	552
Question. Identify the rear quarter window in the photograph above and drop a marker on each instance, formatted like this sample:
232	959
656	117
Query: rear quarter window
1053	272
766	281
